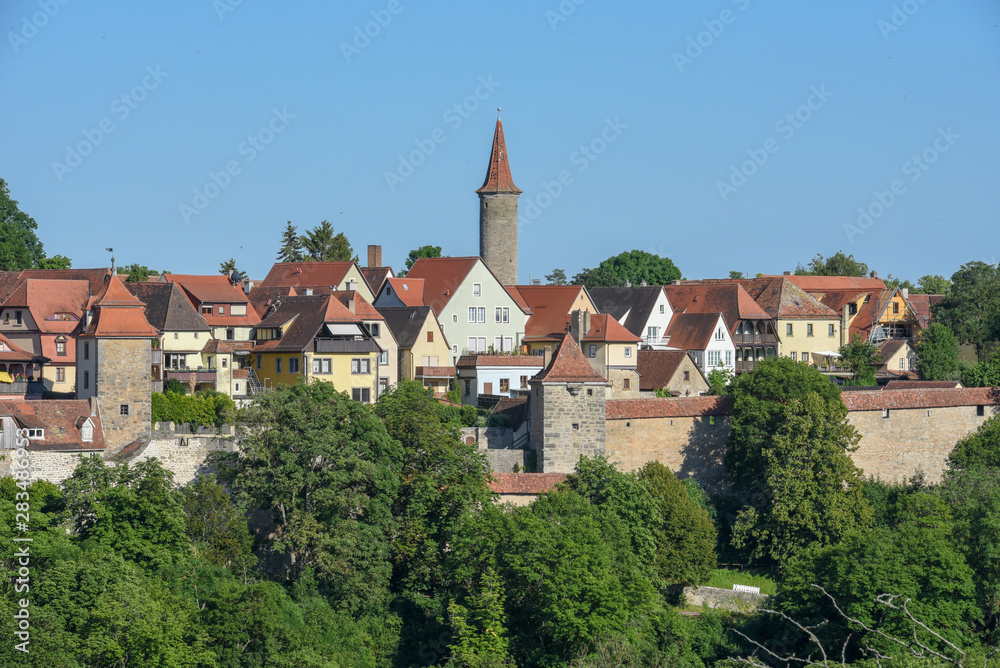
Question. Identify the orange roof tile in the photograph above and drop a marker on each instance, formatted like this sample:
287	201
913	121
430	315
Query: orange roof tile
605	328
11	352
498	178
836	283
61	419
500	360
362	308
873	400
692	331
119	314
410	291
730	299
525	483
568	365
442	276
632	409
549	306
307	274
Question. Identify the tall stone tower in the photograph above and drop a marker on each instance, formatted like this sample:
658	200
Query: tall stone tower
114	356
498	213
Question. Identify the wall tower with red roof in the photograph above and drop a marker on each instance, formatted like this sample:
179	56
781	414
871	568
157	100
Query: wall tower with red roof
498	213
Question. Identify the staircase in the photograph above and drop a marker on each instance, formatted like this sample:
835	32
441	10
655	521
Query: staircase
254	388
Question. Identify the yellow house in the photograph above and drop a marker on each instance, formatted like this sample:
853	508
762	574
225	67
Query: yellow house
316	338
807	327
424	352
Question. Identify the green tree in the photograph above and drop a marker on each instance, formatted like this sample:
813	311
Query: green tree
480	630
787	449
933	285
862	358
55	262
685	536
328	472
133	510
719	380
985	373
557	277
228	267
320	244
914	558
138	272
417	253
837	264
980	449
893	282
971	307
19	244
937	354
634	267
291	245
216	526
736	275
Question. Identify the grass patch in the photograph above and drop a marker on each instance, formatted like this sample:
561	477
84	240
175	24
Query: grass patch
725	579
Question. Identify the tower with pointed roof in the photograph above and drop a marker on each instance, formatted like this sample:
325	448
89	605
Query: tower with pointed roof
114	361
568	410
498	213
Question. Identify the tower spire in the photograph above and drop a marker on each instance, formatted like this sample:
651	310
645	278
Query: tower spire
498	178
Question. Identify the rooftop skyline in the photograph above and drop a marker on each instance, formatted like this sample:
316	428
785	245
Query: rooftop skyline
733	135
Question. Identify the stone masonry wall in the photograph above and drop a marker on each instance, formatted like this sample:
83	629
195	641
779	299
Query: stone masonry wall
52	467
562	444
617	377
123	378
911	440
691	447
498	235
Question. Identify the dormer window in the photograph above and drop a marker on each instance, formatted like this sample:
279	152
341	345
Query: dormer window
61	347
206	309
36	434
87	431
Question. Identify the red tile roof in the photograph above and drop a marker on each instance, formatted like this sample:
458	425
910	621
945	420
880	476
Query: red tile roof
498	178
525	483
782	298
362	308
375	277
212	289
61	420
921	385
307	274
410	291
11	352
873	400
68	358
657	367
119	314
442	276
814	284
500	360
605	328
693	331
836	300
730	299
46	298
633	409
921	306
515	294
549	308
568	365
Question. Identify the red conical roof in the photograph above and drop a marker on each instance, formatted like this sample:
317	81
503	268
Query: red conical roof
498	178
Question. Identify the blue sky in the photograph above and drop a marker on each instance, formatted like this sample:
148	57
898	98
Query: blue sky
729	134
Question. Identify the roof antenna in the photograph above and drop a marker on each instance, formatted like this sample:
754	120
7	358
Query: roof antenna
114	272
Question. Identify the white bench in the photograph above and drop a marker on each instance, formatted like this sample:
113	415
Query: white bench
746	588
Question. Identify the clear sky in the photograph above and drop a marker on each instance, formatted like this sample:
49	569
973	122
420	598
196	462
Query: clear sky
116	115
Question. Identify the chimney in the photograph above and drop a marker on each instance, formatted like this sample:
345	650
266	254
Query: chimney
93	406
874	274
374	256
247	287
350	305
906	293
579	324
547	357
845	325
786	273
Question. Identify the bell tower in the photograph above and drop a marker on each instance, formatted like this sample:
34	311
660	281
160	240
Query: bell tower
498	213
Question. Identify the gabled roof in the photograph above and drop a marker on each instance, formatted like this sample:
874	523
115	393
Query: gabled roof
408	290
118	313
46	298
11	352
693	331
406	323
261	299
836	300
636	302
871	312
95	277
307	274
814	284
498	178
375	277
61	420
568	365
442	277
304	317
890	347
921	307
362	308
605	328
730	299
513	408
549	306
167	309
210	289
781	298
657	367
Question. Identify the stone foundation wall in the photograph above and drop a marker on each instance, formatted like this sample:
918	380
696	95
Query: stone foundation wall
52	467
723	599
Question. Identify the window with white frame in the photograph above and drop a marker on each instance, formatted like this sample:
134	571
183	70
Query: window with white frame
508	344
661	308
481	313
472	314
805	357
794	358
628	351
321	365
472	344
383	358
720	335
729	358
477	289
831	329
481	344
502	314
361	365
809	329
498	344
902	364
788	329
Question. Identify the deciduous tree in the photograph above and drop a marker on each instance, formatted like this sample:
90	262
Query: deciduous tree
19	244
971	307
937	354
417	253
633	267
837	264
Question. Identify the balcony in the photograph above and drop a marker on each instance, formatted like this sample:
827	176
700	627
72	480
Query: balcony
341	346
435	372
199	376
18	387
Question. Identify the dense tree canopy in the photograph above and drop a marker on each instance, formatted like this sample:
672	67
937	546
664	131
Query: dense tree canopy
862	358
291	245
322	244
937	354
417	253
837	264
971	307
557	277
19	244
633	267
